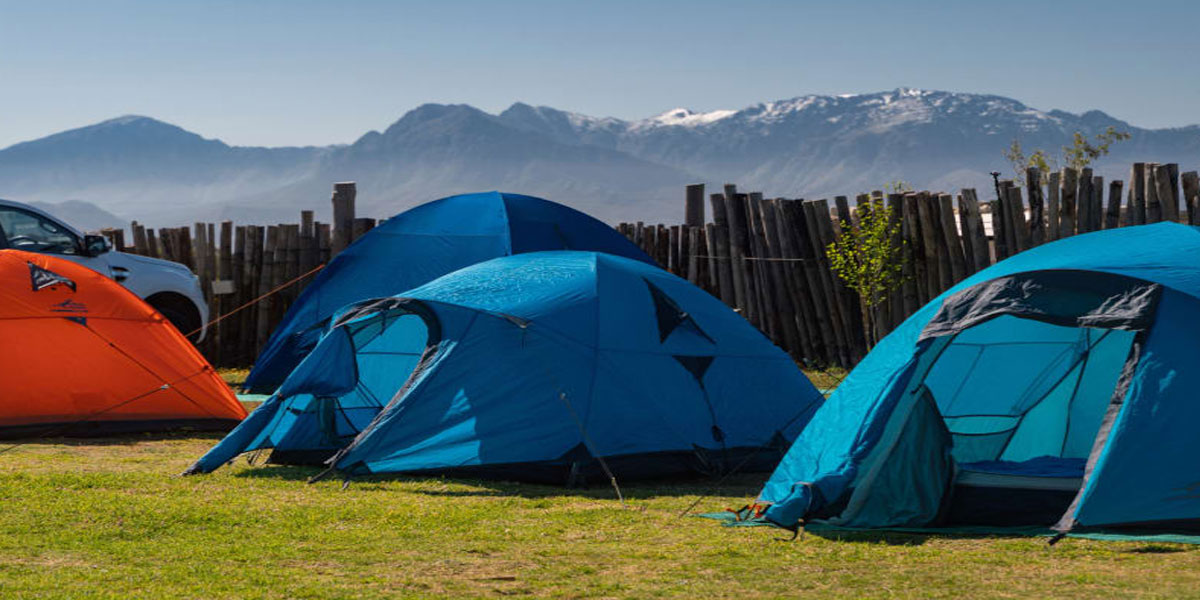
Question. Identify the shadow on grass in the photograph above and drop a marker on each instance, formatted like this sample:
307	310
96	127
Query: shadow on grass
917	538
1160	549
894	537
128	439
891	538
449	487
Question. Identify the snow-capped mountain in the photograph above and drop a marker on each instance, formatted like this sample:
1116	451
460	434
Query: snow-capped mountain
813	146
809	146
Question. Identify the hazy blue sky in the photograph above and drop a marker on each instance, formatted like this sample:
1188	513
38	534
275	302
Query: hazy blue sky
297	72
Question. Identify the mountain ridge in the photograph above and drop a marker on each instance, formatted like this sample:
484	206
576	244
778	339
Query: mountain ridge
808	146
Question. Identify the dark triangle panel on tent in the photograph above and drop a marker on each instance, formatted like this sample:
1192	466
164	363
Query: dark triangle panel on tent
670	316
696	365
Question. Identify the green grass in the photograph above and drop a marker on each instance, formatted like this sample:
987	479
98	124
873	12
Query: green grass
110	518
234	377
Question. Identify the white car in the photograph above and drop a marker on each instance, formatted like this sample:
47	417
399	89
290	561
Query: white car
171	288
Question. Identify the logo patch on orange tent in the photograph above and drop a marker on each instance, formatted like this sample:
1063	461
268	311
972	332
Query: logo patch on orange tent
44	278
69	306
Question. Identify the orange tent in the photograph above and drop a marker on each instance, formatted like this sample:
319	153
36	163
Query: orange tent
81	355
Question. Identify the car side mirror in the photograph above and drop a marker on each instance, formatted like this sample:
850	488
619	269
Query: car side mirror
95	245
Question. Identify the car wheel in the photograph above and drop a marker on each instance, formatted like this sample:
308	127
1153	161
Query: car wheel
178	310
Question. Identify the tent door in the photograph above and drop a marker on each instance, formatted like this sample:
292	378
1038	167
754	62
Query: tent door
903	481
1023	401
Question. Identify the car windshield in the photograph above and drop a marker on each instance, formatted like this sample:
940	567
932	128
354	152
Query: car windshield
34	233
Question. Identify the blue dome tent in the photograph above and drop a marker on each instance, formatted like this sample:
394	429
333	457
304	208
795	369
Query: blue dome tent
420	245
535	367
1057	388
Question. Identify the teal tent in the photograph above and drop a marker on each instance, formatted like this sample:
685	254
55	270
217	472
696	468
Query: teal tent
546	366
1058	388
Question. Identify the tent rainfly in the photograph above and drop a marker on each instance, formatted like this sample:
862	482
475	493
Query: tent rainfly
1057	388
418	246
82	355
549	366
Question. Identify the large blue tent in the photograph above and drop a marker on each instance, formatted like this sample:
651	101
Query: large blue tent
1056	388
548	366
420	245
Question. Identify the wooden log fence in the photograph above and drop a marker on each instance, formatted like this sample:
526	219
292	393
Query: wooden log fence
763	256
766	257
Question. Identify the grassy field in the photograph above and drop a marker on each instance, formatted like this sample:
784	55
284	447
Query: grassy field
110	518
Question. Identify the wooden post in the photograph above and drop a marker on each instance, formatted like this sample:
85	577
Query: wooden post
1191	196
794	229
1017	223
905	302
224	263
796	286
1070	187
999	240
308	242
973	232
1178	210
767	315
664	244
709	265
693	212
1137	194
680	244
202	241
266	280
895	308
926	213
844	217
1037	217
813	211
781	297
954	243
1112	214
343	215
1083	202
324	242
693	254
279	274
753	291
915	241
1154	210
846	305
252	273
737	234
239	323
1167	196
292	270
361	226
152	244
185	247
138	234
673	251
1095	204
720	274
1052	206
